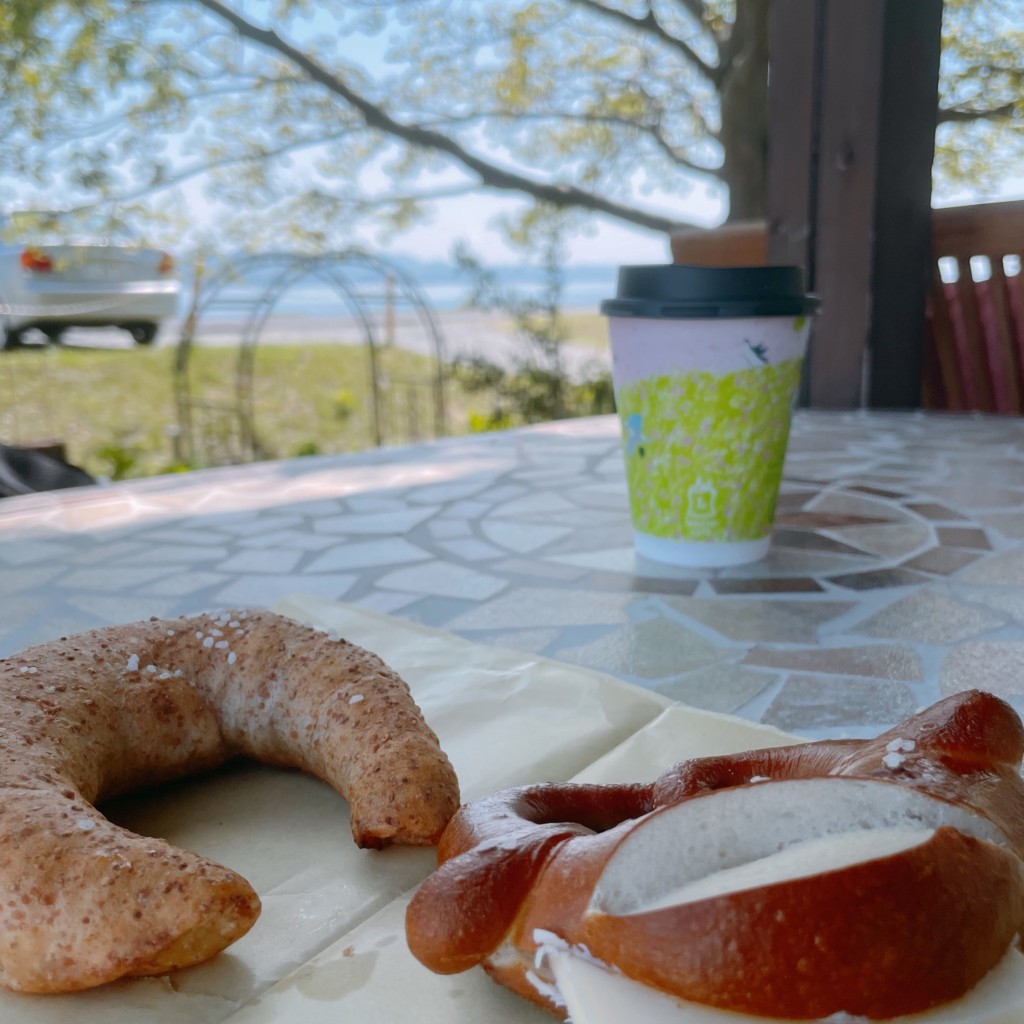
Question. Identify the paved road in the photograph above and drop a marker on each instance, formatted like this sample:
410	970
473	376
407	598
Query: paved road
463	333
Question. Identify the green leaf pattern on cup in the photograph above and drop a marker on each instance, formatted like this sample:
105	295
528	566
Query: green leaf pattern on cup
712	452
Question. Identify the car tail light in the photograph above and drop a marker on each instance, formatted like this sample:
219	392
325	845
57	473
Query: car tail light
166	264
36	260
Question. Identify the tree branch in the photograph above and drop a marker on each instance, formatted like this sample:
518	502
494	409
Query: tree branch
643	127
489	174
966	114
650	25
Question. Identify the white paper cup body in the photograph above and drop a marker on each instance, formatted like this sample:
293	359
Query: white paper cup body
705	407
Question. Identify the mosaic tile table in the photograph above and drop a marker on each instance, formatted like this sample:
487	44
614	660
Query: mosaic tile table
896	573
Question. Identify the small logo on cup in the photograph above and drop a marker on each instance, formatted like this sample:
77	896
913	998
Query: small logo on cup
701	505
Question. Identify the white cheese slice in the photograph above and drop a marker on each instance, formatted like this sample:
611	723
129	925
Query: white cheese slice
696	839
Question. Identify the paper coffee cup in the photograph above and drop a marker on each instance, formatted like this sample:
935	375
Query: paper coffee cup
706	364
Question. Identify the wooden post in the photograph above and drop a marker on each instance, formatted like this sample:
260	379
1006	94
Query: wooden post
847	165
903	219
794	121
793	102
852	102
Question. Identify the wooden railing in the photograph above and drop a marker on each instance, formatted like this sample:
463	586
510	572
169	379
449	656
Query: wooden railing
974	353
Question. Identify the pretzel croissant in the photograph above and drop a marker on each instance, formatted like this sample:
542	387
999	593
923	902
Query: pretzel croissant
903	887
82	901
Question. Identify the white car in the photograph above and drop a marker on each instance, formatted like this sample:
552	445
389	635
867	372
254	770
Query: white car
85	284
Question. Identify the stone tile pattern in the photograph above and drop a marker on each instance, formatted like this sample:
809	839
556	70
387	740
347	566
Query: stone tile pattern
896	573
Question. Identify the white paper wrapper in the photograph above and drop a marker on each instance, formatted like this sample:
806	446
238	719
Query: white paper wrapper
371	971
504	718
677	734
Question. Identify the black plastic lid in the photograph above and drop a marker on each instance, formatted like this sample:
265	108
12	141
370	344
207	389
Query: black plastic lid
678	291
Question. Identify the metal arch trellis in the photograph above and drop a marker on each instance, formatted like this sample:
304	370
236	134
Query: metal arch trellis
372	290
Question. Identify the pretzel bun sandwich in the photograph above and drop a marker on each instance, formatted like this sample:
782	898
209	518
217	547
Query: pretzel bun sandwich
82	901
845	880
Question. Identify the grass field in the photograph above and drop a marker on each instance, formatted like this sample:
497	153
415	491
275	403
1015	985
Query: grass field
116	410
